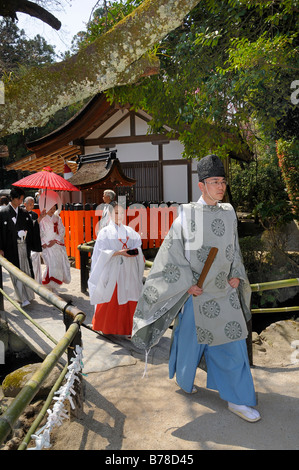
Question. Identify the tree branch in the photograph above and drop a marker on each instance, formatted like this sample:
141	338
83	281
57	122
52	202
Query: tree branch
11	7
111	60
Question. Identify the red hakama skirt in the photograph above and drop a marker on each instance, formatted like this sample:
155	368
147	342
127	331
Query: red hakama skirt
113	319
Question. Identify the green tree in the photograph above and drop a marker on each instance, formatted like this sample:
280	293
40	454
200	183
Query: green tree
288	156
16	50
258	188
103	19
224	85
228	66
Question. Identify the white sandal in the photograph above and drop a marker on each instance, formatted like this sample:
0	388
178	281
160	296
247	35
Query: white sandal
245	412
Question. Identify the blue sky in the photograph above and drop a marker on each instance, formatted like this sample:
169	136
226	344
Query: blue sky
74	15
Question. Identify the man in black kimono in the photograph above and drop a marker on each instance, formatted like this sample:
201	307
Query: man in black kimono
19	235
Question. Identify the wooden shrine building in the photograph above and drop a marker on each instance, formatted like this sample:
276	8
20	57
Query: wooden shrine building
149	167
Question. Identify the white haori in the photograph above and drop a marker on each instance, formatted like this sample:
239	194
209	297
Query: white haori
107	271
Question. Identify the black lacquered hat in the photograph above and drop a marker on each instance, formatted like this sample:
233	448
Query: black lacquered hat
209	166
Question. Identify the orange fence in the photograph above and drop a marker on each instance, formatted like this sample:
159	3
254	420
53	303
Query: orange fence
82	224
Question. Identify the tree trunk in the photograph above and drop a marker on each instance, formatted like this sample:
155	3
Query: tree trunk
118	57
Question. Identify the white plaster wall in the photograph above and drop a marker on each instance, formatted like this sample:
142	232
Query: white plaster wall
107	124
122	130
137	152
175	183
130	152
173	150
141	126
194	164
175	177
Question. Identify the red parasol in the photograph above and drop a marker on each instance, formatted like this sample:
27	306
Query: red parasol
46	179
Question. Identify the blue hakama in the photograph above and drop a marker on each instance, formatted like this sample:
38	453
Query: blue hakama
228	369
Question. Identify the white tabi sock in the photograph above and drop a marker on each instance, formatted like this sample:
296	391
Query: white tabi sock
245	412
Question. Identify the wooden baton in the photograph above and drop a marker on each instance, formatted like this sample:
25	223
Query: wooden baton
211	256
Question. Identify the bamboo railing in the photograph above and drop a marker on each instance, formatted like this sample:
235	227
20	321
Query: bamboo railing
41	414
272	286
73	315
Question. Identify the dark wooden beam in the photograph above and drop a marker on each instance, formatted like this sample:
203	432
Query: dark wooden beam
154	138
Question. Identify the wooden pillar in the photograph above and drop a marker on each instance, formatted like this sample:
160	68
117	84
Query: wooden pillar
84	274
78	233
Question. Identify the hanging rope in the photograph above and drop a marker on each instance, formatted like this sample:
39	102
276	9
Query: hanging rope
59	412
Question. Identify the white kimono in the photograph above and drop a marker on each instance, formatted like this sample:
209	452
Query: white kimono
57	263
107	271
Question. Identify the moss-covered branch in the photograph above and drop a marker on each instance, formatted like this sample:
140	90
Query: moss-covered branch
111	60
